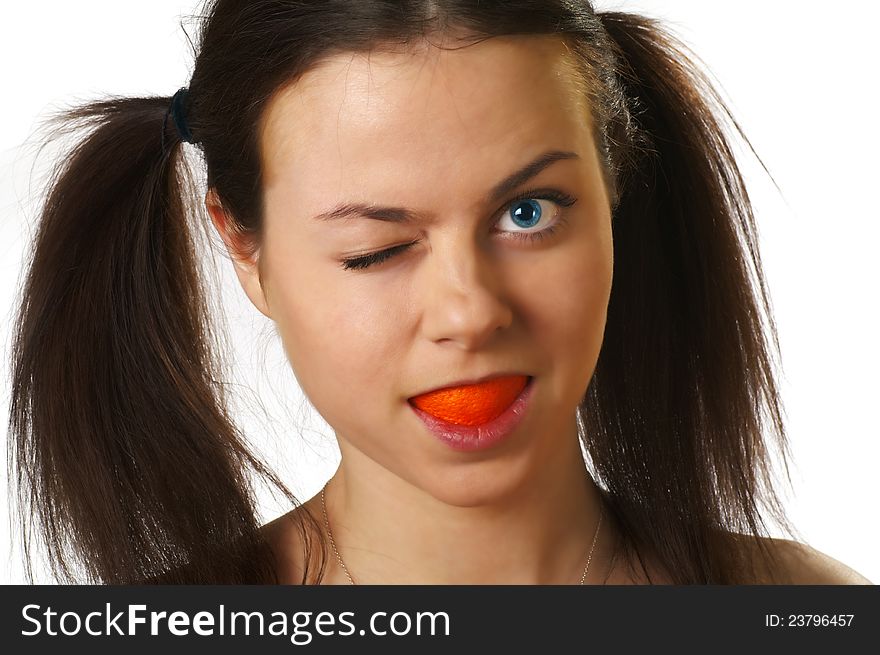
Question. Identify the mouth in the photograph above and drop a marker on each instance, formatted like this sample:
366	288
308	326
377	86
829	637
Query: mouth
472	403
477	426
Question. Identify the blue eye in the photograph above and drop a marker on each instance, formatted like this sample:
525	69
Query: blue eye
528	212
524	211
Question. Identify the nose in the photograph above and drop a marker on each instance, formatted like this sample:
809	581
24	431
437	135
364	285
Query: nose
464	300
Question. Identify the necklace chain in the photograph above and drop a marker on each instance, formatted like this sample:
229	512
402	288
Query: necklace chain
351	580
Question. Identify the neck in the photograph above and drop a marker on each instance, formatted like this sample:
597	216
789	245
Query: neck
533	528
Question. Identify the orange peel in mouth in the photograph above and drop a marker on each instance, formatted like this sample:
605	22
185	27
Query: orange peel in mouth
472	404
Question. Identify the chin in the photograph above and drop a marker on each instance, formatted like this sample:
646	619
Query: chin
474	485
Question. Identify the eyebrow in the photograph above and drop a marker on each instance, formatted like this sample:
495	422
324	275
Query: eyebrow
349	210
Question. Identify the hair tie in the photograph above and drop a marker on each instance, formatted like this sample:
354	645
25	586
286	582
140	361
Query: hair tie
177	109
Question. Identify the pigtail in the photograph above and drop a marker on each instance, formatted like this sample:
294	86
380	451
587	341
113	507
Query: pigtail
121	446
676	437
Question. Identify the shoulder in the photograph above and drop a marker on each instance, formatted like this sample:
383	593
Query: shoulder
294	540
800	564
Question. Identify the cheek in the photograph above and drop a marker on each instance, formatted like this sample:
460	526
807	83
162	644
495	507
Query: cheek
336	338
569	313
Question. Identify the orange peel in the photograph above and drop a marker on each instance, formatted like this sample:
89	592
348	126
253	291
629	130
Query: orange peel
472	404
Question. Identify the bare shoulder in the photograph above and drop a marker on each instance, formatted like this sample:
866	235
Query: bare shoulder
286	538
800	564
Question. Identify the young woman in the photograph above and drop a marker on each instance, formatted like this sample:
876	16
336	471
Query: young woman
507	250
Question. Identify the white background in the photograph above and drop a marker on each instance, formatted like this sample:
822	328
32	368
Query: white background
799	77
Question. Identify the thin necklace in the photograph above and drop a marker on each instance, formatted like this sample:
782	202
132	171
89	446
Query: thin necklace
351	581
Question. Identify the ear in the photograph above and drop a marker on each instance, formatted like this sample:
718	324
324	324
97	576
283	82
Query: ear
246	266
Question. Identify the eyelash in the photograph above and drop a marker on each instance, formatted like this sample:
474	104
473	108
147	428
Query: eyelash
560	198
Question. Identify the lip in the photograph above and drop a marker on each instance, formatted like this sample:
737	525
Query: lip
463	383
480	437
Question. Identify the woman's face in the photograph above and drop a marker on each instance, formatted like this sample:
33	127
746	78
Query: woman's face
435	135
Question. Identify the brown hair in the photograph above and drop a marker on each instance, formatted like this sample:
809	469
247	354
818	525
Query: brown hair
123	447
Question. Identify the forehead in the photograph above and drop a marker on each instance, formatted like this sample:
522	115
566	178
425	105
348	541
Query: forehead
381	121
